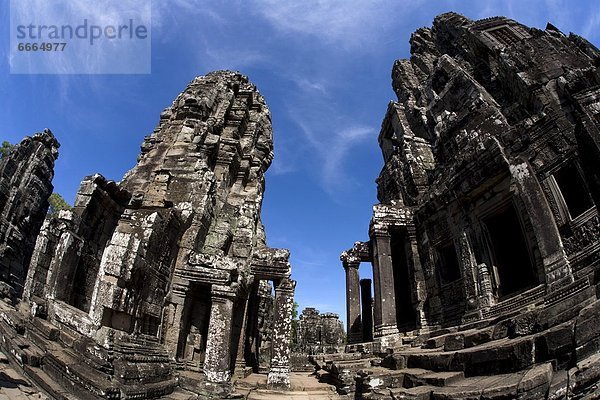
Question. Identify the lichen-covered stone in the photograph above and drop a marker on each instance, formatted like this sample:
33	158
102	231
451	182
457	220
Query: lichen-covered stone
168	269
25	185
319	332
485	242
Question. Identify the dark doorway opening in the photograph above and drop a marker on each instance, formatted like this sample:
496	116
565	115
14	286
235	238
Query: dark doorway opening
447	263
510	254
574	190
366	300
405	312
196	316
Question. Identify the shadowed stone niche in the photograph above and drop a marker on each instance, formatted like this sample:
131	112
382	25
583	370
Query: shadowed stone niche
160	282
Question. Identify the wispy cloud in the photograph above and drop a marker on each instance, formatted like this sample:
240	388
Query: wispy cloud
346	23
167	15
308	85
331	143
233	58
82	54
592	25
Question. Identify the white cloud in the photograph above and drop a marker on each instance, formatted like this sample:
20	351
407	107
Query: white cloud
167	14
81	54
331	145
308	85
592	26
232	58
346	23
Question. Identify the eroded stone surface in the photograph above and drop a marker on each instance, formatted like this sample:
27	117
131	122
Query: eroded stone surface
319	332
164	273
485	243
25	186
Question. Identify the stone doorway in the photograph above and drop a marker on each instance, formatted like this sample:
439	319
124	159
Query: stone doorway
514	269
192	340
405	312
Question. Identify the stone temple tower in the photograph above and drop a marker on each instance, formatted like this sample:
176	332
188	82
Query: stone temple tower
161	272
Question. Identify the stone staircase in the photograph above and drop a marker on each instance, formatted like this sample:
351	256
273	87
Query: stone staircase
68	366
546	350
303	387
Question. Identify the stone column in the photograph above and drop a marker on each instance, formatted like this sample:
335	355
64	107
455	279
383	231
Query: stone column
383	274
556	266
173	320
353	320
367	310
240	361
279	374
216	362
251	346
418	277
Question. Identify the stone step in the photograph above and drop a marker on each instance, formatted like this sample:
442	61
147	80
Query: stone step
415	393
380	378
377	378
22	350
180	394
463	339
439	379
48	384
352	365
66	368
531	384
46	329
150	390
264	394
501	356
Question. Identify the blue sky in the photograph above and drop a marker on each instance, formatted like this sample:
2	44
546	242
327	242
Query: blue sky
324	68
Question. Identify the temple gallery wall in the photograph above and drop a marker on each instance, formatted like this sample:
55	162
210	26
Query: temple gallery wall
484	246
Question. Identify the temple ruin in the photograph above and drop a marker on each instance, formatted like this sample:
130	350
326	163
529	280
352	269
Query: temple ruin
320	332
160	283
25	186
485	244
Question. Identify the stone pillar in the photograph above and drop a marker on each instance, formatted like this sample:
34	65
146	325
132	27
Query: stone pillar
251	346
240	361
383	274
216	362
556	266
173	320
418	277
485	289
367	310
279	374
353	320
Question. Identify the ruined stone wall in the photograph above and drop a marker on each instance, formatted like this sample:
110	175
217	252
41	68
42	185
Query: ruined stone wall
489	187
25	186
486	113
167	270
319	332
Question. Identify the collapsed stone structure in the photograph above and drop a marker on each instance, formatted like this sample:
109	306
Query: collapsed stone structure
485	245
151	280
319	332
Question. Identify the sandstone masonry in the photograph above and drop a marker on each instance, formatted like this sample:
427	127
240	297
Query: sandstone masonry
486	241
154	284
